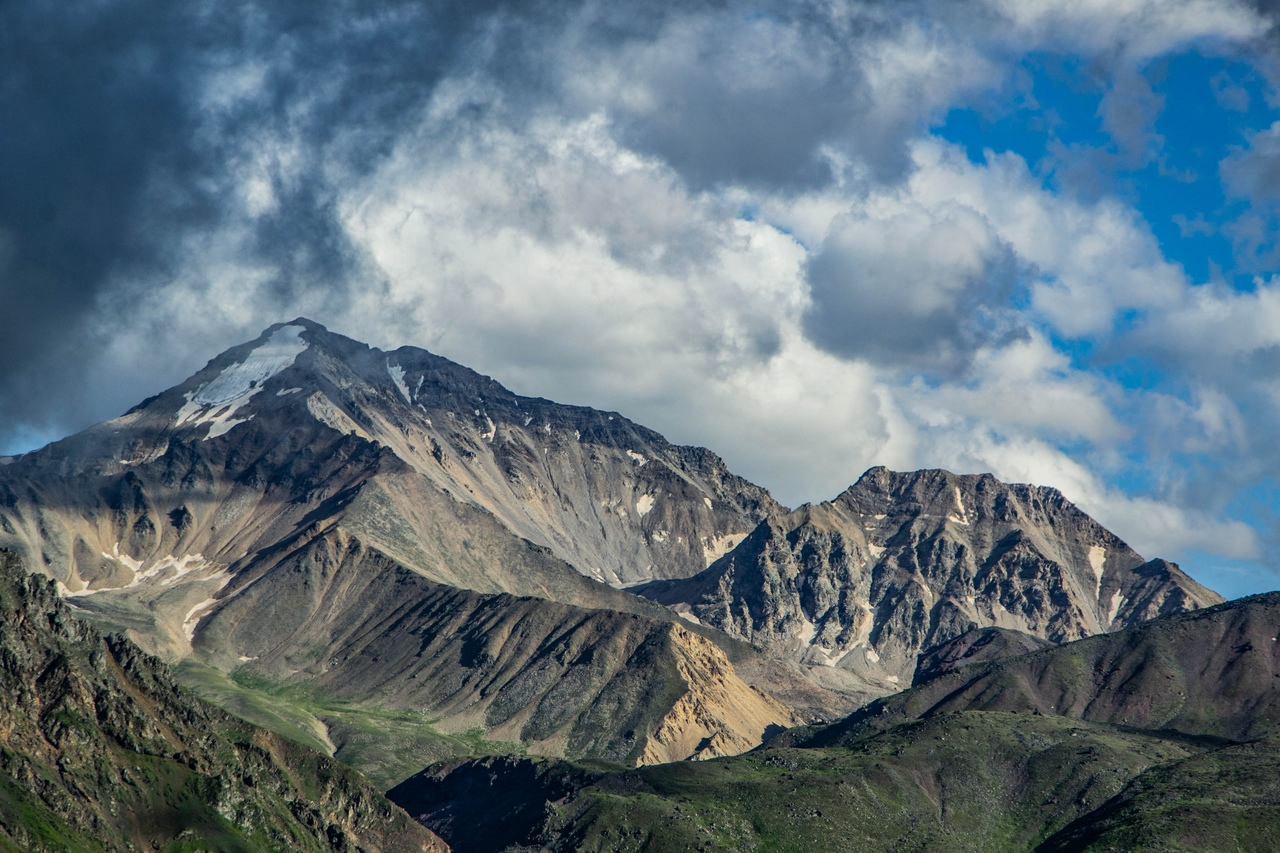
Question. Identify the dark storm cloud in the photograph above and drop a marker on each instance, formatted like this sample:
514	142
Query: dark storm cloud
772	95
129	126
114	145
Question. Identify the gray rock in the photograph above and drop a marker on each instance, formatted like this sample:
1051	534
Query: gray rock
901	562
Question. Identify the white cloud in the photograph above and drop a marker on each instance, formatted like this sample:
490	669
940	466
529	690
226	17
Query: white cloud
901	283
1028	385
1138	29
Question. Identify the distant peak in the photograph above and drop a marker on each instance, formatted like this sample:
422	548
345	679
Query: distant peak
881	476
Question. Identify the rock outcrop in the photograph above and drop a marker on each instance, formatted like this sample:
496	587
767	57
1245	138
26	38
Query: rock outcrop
900	562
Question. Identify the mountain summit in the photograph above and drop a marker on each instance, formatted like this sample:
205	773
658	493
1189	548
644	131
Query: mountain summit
397	529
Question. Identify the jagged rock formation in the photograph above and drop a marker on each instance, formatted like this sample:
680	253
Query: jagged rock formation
898	563
101	750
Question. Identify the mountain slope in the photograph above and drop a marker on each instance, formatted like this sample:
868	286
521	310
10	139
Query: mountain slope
1212	672
1158	737
352	624
858	587
100	750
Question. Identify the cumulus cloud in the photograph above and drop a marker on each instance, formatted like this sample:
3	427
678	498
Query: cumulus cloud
903	284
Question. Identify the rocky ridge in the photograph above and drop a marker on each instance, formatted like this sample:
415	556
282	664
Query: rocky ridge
858	587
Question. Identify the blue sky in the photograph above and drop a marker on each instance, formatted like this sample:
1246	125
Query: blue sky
1036	239
1192	112
1201	108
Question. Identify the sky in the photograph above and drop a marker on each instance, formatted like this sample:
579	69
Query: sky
1032	238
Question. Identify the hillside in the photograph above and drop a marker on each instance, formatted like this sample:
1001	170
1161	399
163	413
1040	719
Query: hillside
101	750
1157	737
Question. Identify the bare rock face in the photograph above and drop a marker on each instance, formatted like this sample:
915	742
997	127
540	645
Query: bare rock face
350	623
898	563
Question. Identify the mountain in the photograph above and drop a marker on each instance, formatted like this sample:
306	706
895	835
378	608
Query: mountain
100	750
331	539
306	416
270	514
1163	736
858	587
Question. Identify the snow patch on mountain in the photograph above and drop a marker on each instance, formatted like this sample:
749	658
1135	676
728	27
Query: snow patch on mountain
278	353
1097	562
217	401
715	547
192	620
397	376
807	631
1117	601
171	568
